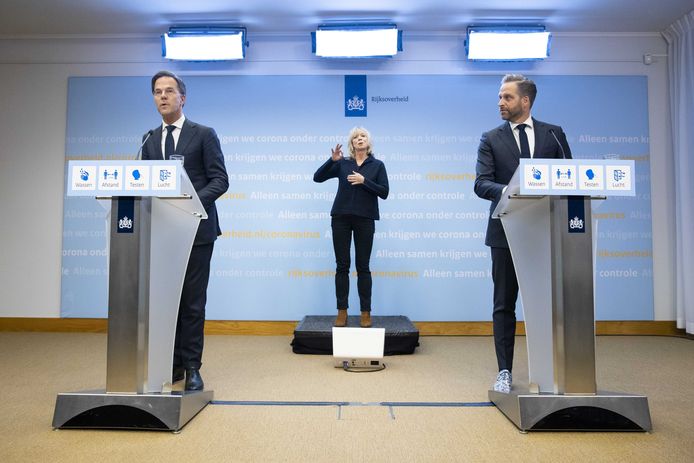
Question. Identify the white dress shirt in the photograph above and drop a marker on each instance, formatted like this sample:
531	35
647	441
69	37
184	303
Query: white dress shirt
176	133
529	131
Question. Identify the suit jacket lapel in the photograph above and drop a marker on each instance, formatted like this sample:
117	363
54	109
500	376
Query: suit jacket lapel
187	132
156	139
510	140
540	137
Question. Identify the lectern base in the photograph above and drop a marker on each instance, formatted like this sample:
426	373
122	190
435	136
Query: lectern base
603	411
151	412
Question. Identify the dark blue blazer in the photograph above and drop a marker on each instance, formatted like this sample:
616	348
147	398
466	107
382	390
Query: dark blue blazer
498	157
204	163
360	200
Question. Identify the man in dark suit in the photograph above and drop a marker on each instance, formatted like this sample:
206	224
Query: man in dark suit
497	159
204	162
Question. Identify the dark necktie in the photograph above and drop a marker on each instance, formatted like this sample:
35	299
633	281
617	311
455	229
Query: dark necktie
169	148
523	138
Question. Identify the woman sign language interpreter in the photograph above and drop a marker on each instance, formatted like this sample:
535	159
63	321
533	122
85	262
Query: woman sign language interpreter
362	179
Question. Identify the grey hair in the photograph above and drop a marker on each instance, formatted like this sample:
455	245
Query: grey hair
353	134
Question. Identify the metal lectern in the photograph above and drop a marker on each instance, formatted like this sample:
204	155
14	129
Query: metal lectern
150	242
550	236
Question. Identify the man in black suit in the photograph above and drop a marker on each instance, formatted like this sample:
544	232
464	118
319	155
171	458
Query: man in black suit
204	162
497	159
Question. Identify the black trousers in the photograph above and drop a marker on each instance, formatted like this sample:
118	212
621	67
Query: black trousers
343	227
191	311
504	315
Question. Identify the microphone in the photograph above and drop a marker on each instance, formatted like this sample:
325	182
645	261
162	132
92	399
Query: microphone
139	152
563	154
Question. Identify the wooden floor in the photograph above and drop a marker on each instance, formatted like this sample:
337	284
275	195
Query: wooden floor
37	366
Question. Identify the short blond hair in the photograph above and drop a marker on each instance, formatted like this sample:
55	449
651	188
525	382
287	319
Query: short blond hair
353	134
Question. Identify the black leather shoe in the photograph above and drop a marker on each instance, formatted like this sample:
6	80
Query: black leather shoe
194	380
178	374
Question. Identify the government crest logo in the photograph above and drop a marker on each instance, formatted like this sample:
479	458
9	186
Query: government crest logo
355	104
576	224
125	223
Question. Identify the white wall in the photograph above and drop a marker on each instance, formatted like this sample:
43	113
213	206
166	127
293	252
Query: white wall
33	105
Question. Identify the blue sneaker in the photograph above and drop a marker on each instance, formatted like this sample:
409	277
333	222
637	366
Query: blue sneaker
503	382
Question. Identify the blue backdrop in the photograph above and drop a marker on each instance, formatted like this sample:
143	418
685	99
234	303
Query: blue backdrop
429	262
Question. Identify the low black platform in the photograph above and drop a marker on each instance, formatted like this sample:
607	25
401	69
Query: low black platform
313	334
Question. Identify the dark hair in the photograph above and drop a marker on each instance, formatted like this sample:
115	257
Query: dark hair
179	82
526	87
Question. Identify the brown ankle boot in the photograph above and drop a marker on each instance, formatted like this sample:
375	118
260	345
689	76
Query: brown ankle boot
341	319
365	321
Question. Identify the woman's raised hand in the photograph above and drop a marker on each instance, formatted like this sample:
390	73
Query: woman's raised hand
337	152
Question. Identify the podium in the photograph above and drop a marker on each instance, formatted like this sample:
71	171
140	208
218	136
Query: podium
546	215
153	222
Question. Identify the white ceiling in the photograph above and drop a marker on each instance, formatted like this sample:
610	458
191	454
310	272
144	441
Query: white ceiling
89	17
